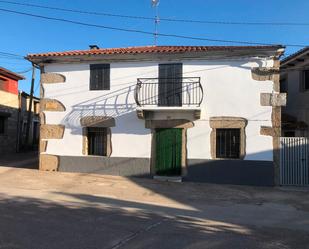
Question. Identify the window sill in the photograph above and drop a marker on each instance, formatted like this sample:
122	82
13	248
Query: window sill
233	159
96	156
96	90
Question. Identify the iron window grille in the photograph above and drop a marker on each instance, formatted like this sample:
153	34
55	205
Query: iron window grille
228	143
97	141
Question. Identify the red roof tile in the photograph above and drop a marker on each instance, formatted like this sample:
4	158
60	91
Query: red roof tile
148	49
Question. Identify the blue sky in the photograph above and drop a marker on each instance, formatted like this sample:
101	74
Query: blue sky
23	35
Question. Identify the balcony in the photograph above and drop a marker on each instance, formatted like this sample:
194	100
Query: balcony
169	97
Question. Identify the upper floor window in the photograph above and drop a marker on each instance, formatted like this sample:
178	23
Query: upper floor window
305	83
2	125
99	77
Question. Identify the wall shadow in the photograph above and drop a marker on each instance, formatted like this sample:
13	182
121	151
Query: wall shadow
99	222
26	160
118	104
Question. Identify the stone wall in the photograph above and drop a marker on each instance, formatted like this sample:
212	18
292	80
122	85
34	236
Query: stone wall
8	140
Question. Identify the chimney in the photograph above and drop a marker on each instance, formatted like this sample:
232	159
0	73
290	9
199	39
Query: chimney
93	47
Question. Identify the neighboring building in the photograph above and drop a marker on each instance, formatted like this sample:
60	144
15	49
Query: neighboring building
34	129
206	113
13	112
295	82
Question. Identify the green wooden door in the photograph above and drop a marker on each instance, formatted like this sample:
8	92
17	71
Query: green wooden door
168	151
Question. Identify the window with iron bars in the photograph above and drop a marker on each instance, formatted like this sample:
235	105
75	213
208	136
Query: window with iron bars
97	141
228	143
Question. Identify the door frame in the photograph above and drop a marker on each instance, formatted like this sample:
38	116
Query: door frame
181	124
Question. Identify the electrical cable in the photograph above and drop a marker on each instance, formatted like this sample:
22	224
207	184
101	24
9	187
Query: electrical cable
161	19
145	32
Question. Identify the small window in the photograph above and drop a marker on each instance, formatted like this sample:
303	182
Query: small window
306	80
283	85
2	125
97	141
228	143
100	77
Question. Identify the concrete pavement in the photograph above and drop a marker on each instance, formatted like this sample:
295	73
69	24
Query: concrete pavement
68	210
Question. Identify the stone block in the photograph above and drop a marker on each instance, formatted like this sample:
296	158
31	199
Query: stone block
52	105
97	121
273	99
49	131
49	162
262	74
43	145
51	78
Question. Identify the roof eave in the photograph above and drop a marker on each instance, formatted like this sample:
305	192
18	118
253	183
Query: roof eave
275	51
9	74
298	55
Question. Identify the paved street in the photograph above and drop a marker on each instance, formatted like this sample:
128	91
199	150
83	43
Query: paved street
48	210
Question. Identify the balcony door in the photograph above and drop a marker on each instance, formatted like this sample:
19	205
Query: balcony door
170	84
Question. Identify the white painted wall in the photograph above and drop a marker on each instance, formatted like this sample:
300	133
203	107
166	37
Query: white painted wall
228	87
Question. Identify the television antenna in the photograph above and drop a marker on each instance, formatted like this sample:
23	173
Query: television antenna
155	4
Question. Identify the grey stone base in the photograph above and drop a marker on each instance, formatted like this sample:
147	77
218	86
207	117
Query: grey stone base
121	166
241	172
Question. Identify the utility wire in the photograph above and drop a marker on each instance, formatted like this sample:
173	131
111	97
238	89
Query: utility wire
144	32
25	71
168	19
11	58
10	54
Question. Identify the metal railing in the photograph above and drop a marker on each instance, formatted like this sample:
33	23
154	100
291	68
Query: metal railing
185	91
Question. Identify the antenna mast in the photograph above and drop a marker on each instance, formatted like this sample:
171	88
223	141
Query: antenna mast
155	4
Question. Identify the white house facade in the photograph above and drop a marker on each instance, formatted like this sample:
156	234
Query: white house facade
294	80
203	113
